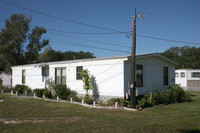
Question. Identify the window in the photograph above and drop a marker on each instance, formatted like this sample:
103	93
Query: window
196	74
139	75
23	76
78	72
45	72
60	75
176	75
165	73
182	74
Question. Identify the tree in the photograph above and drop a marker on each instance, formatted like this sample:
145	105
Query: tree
51	55
87	83
35	45
186	57
13	39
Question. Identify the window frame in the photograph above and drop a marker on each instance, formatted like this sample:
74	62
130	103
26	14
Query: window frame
45	72
182	75
23	76
176	75
142	75
192	74
165	76
78	73
61	76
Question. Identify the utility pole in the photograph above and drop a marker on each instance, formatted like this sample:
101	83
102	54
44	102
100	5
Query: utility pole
132	91
133	83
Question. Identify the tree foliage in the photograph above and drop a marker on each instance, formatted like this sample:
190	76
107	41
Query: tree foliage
186	57
51	55
19	45
14	38
87	83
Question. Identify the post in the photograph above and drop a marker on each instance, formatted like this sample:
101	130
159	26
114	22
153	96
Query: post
16	93
12	92
94	104
132	90
1	91
25	92
57	98
116	105
70	99
43	96
82	101
33	95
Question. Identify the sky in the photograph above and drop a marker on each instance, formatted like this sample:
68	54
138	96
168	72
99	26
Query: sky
166	19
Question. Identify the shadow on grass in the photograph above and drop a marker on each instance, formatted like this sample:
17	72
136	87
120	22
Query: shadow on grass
190	131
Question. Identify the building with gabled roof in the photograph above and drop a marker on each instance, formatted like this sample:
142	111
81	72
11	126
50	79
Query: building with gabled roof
110	75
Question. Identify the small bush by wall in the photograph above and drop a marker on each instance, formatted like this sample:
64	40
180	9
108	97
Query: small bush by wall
65	93
171	95
88	99
47	93
39	92
7	89
120	101
22	88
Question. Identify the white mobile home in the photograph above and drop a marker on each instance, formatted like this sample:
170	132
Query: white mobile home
110	76
189	79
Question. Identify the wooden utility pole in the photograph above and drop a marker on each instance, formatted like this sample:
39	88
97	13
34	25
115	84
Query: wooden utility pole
133	89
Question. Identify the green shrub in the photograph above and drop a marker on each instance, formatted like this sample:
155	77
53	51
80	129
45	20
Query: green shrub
1	86
127	103
145	101
7	89
112	101
88	99
47	93
173	94
39	92
179	94
22	88
73	95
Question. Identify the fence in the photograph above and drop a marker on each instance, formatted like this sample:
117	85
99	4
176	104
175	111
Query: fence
94	105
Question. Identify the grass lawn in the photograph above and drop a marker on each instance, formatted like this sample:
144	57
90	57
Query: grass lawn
33	115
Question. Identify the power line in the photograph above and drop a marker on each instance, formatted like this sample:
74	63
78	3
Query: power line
144	36
89	46
72	32
101	42
162	39
72	21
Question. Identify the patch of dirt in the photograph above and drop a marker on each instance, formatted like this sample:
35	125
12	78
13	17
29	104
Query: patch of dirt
39	120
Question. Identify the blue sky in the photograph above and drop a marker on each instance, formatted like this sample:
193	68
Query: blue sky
168	19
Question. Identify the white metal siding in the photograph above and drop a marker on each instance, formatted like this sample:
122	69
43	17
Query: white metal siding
33	77
152	74
108	75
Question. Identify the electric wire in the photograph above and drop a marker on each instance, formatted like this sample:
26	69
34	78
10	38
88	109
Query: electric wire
162	39
64	19
101	42
89	46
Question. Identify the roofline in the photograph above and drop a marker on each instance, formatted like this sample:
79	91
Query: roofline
126	57
189	69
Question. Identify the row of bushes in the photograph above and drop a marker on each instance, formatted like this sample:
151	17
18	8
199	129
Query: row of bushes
171	95
174	94
62	91
20	89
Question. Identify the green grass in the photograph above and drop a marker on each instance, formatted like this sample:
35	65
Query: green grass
33	115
